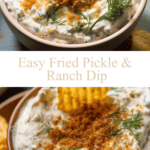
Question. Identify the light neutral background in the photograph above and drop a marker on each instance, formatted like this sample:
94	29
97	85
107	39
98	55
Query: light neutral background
10	42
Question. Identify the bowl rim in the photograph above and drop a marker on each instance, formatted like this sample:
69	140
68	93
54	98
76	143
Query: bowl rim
15	114
50	43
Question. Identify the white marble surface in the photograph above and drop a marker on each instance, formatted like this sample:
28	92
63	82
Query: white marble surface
10	42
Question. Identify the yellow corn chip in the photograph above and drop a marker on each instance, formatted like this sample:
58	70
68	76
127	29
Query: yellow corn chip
3	127
3	133
73	97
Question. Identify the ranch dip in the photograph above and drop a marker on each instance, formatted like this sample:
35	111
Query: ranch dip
72	21
40	112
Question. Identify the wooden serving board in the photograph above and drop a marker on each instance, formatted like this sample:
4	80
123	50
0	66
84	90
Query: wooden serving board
7	107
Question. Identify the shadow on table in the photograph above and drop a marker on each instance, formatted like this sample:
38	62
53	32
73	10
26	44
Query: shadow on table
11	91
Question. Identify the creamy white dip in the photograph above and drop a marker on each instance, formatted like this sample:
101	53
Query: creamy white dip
65	31
40	111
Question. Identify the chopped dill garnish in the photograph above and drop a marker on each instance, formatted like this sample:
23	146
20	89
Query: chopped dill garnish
132	124
115	133
88	19
76	26
116	89
79	26
45	104
63	137
113	88
64	122
118	111
57	21
48	127
114	95
49	15
116	8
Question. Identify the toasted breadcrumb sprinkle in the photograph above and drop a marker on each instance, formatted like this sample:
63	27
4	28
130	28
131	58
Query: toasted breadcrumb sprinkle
87	127
80	5
42	35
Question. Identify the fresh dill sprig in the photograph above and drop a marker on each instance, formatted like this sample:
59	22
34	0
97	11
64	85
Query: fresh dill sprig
120	110
132	124
116	8
42	19
52	12
86	18
115	132
49	15
57	21
64	122
77	27
48	127
45	104
63	137
113	88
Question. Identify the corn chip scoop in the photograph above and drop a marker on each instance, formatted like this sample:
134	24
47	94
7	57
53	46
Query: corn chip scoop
3	143
3	132
71	98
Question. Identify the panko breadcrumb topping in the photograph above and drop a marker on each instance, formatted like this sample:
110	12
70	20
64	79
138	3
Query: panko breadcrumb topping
75	4
78	5
87	127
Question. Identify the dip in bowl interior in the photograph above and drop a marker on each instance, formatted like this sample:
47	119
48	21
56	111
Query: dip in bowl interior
95	118
57	24
15	115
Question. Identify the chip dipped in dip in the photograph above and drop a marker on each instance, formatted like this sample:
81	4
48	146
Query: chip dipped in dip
72	21
118	122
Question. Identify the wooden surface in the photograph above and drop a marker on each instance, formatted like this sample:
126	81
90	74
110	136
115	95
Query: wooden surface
7	107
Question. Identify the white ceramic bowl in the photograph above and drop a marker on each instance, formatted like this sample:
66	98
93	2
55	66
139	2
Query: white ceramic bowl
35	43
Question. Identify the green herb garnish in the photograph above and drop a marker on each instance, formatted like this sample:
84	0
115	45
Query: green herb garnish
114	95
86	1
132	124
113	88
63	137
49	15
79	26
115	133
57	21
64	122
45	104
48	128
118	111
86	18
116	8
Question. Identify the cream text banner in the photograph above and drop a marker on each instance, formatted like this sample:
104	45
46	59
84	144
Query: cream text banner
56	69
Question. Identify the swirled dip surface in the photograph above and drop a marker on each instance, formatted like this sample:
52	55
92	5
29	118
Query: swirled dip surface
68	21
40	116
